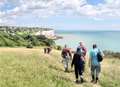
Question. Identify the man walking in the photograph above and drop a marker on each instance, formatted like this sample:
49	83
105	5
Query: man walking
94	63
66	54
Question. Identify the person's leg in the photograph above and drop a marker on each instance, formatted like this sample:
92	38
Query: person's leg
50	50
76	74
44	50
98	69
81	73
47	50
93	73
83	67
66	64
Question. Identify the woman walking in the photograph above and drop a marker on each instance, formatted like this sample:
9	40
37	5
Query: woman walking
78	66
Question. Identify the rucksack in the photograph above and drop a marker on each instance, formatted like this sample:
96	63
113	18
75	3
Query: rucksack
99	57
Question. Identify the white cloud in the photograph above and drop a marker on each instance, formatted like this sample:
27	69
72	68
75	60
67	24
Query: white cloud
2	3
46	8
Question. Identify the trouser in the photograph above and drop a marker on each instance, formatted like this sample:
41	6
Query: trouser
78	71
45	50
83	60
95	70
66	61
83	68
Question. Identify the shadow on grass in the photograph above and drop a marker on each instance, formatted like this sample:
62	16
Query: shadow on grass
70	80
59	69
55	68
63	78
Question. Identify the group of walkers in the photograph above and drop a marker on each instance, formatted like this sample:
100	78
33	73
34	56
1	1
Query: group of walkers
78	60
47	50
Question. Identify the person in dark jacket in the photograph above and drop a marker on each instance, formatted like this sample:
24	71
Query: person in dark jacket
78	65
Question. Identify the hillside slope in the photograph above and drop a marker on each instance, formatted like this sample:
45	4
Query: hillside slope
22	40
21	67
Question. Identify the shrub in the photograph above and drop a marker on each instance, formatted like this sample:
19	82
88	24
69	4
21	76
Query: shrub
59	47
29	45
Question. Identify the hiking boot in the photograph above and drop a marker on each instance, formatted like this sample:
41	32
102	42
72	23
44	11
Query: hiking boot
82	80
66	70
96	80
77	81
92	79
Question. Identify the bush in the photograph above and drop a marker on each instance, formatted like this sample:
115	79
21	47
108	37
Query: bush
49	42
58	47
29	46
41	37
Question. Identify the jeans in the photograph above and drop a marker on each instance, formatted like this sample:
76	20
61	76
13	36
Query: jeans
95	70
78	71
65	62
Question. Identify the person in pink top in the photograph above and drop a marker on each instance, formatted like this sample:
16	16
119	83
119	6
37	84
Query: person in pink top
82	52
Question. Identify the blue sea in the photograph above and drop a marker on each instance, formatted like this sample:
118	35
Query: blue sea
106	40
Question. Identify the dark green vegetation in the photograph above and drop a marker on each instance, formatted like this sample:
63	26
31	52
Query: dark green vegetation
16	36
112	54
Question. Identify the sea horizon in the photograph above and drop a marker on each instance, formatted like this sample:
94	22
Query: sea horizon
106	40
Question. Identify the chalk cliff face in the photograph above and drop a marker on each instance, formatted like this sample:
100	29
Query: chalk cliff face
47	33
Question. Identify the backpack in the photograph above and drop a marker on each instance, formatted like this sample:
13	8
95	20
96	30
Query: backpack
99	57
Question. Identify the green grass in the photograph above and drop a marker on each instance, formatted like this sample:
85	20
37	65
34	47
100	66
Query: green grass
21	67
111	73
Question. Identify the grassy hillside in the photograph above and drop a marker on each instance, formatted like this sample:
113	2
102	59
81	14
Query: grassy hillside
21	67
14	39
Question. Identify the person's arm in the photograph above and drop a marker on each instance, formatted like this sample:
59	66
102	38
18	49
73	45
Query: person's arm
84	50
70	54
102	53
89	62
62	53
73	61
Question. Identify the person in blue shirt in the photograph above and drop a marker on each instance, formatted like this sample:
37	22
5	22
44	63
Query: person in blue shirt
94	63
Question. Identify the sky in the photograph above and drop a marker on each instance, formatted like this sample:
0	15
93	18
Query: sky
62	14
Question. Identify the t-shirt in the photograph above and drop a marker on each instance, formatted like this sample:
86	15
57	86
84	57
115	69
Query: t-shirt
66	53
93	56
